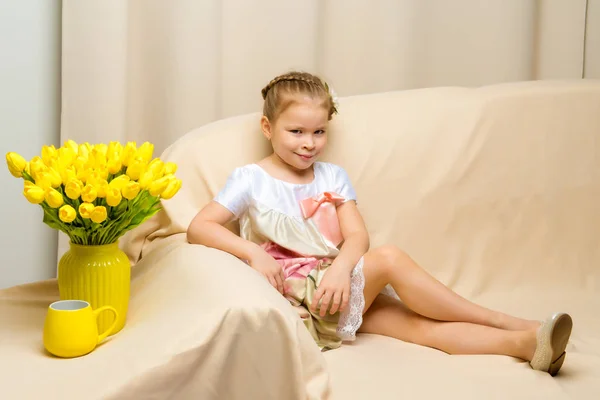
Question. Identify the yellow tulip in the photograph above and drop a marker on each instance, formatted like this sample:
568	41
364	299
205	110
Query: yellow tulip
55	179
94	177
130	190
146	180
171	189
119	182
89	193
157	167
15	172
43	180
91	161
100	148
54	164
135	169
157	187
68	153
80	163
114	147
67	213
145	152
33	193
85	210
91	181
83	174
113	197
99	214
113	164
16	164
102	172
67	174
84	150
99	158
83	167
170	168
49	154
53	198
36	166
65	161
101	188
72	145
73	189
128	153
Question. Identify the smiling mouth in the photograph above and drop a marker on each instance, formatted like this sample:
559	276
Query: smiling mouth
305	156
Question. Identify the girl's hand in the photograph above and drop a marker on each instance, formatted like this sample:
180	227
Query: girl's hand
261	261
335	289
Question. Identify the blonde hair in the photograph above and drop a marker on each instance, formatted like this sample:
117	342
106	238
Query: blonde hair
279	91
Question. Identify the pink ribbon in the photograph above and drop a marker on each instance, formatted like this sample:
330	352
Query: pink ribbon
322	210
294	265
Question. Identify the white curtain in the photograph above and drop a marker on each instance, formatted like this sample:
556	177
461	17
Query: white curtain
155	69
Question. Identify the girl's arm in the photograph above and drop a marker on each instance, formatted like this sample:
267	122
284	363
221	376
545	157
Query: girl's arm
356	237
207	229
334	288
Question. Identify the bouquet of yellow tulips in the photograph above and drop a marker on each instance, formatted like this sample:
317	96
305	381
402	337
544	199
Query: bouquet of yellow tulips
96	193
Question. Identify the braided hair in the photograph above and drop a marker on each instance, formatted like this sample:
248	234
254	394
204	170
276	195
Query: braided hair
281	87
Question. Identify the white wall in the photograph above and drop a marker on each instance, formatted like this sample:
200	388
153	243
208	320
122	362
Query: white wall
29	118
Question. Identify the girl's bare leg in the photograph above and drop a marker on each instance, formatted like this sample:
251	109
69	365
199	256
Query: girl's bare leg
432	315
388	316
425	295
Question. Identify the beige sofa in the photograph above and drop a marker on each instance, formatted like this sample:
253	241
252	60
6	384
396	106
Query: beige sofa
494	190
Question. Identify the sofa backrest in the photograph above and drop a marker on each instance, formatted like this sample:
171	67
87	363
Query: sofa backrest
483	182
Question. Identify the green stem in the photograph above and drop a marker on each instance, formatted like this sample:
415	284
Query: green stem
28	177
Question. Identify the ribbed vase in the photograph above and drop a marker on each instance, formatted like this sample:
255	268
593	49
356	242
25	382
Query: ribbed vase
99	275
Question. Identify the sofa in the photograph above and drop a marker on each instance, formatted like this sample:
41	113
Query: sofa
494	190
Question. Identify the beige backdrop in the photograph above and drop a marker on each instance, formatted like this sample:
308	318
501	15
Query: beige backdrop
155	69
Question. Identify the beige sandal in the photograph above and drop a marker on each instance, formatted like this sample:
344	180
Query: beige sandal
552	338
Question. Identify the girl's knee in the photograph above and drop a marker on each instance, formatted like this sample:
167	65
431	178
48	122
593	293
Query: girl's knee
391	256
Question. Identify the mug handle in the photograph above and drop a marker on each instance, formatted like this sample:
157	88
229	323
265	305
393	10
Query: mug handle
97	311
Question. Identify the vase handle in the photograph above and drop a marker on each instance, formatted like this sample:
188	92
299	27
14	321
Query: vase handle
97	312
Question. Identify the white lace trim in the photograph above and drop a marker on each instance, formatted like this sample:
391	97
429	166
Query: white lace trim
351	319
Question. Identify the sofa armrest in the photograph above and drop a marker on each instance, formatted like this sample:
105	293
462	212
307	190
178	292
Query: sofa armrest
201	325
220	328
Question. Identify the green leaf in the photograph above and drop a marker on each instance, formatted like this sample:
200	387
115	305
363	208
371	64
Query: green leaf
138	218
119	210
79	232
48	220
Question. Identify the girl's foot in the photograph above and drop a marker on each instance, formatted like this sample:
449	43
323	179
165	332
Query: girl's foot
552	338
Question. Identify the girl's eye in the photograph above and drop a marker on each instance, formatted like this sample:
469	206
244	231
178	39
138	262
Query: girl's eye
320	132
295	131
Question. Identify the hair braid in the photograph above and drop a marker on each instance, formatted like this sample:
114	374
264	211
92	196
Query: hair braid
289	77
294	83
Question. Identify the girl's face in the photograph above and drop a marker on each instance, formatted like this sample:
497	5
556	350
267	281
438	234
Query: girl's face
299	134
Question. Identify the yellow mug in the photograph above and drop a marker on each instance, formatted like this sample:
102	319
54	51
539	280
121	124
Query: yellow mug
71	328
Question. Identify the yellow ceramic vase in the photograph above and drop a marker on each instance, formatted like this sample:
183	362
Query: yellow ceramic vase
99	275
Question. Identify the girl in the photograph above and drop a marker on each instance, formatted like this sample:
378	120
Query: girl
301	229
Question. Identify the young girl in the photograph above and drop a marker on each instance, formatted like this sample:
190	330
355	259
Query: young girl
301	229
